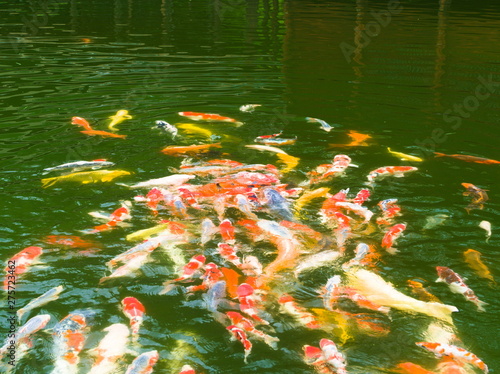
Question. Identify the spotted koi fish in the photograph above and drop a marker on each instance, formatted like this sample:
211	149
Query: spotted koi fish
457	353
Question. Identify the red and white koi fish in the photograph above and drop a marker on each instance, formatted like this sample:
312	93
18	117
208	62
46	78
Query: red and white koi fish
334	359
396	171
117	217
111	349
362	196
190	269
314	356
244	323
153	198
362	249
448	365
226	229
364	302
391	235
356	209
24	332
324	172
248	300
212	275
456	353
240	335
228	253
19	263
209	117
143	364
81	165
343	230
187	369
290	306
389	211
134	310
457	285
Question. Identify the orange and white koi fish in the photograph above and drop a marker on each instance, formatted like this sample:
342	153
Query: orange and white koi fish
456	353
143	364
226	229
189	150
314	356
334	359
244	323
209	117
23	334
358	140
396	171
356	209
90	131
248	301
188	272
331	292
134	310
316	260
391	235
411	368
119	117
361	196
473	259
290	306
479	196
241	336
468	158
211	276
228	253
324	172
117	217
47	297
111	349
457	285
389	210
69	339
86	177
251	266
187	369
153	199
18	264
422	294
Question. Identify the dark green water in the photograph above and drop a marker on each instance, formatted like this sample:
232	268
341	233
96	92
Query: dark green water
415	85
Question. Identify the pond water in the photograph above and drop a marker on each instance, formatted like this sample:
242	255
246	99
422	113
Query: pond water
418	77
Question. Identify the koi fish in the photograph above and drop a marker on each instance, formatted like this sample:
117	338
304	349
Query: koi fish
479	160
191	129
111	349
143	364
473	259
244	323
479	196
275	141
448	365
436	220
191	268
18	264
404	156
278	205
419	290
485	225
241	336
228	253
47	297
247	299
454	352
396	171
81	165
331	292
358	140
389	210
290	306
310	195
267	148
24	332
134	310
117	217
457	285
377	290
324	126
411	368
119	117
209	117
135	261
226	229
210	278
187	369
249	108
167	127
334	359
90	131
290	162
86	177
72	241
169	181
357	209
361	251
173	150
251	266
314	356
391	235
147	233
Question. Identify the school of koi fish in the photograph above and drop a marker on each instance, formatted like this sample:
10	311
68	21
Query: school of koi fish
236	241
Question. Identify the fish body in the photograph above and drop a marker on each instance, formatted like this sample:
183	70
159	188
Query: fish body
310	195
324	126
240	335
419	290
174	150
169	181
331	292
24	332
147	233
228	253
275	141
143	364
50	295
436	220
209	117
191	129
208	230
411	368
389	210
455	353
244	323
278	205
457	285
479	196
248	304
116	218
81	165
334	359
479	160
404	156
134	310
118	118
19	264
357	209
90	131
86	177
249	108
358	140
485	225
267	148
167	127
396	171
135	261
473	259
227	229
189	270
111	349
391	235
316	260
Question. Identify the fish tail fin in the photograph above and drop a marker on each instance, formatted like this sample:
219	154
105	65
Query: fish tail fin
480	305
238	123
47	182
441	311
439	154
271	341
20	314
392	251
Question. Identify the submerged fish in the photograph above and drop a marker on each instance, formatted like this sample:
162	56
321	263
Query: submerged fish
473	259
50	295
86	177
324	126
479	196
174	150
143	364
81	165
479	160
290	162
358	140
111	349
209	117
119	117
454	352
485	225
189	128
90	131
433	221
167	127
249	108
266	148
404	156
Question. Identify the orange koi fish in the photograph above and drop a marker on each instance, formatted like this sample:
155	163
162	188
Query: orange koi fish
226	229
210	278
70	241
411	368
90	131
358	140
473	259
467	158
134	310
389	210
391	235
457	285
18	264
396	171
228	253
479	196
143	364
454	352
448	365
232	279
189	150
209	117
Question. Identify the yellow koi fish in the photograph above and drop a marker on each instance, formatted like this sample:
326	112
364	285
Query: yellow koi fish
86	177
191	129
289	161
334	322
473	259
404	156
146	233
119	117
308	196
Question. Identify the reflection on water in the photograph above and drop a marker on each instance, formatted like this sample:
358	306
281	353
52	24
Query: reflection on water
406	80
